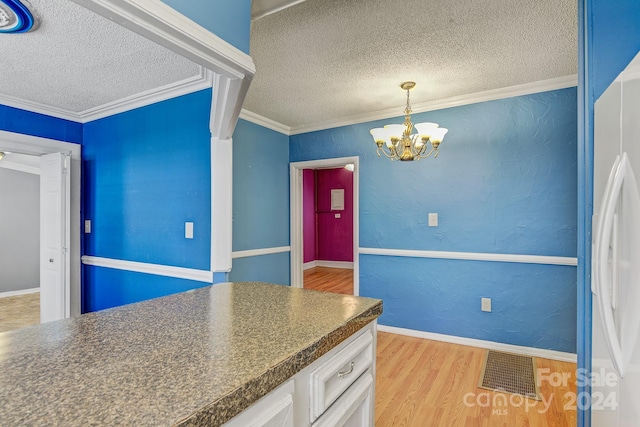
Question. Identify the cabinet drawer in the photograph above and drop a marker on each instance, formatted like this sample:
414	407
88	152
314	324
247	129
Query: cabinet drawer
334	376
354	408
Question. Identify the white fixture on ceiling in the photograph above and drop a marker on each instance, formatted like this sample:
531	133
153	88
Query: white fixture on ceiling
397	142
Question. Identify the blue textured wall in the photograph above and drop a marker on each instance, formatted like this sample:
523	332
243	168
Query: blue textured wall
146	172
532	305
260	202
228	19
35	124
505	182
111	288
272	268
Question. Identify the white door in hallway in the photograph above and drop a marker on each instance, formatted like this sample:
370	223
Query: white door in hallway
55	187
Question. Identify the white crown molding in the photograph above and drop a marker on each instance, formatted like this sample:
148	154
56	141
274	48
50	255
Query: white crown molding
232	69
152	96
20	292
490	345
265	122
164	25
155	269
472	256
456	101
257	252
36	107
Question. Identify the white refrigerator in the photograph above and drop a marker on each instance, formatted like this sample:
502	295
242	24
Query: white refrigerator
615	380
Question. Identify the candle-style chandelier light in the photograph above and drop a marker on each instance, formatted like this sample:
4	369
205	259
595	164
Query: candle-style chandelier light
397	142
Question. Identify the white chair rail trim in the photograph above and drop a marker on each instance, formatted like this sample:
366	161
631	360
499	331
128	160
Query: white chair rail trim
472	256
258	252
156	269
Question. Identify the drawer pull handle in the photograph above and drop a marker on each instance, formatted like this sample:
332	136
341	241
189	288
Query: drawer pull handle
345	373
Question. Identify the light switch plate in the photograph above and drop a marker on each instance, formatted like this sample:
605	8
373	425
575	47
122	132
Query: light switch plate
87	226
188	230
337	215
485	304
433	220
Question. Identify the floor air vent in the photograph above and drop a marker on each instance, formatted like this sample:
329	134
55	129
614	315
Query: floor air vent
510	373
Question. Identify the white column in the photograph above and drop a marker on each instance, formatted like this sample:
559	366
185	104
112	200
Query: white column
221	204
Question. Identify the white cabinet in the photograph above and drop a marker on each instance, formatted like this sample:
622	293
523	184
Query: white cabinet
330	380
354	408
273	410
336	390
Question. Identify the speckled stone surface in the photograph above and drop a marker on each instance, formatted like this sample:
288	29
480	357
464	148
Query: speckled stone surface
192	359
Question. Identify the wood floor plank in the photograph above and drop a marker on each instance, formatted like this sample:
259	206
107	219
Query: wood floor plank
428	383
337	280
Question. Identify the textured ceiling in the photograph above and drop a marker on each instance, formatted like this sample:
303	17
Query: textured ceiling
323	60
77	60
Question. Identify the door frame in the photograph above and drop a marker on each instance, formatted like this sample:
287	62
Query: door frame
295	186
37	146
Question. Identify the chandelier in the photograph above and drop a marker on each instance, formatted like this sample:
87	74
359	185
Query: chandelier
398	143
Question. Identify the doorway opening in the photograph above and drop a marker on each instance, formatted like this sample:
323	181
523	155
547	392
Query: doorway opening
59	257
330	267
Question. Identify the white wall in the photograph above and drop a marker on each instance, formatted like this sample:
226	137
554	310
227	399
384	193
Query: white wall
19	230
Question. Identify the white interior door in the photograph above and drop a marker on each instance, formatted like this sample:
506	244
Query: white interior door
55	188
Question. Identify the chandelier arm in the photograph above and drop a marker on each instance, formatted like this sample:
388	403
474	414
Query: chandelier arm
387	153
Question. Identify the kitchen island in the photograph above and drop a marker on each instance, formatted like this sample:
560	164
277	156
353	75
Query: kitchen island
192	359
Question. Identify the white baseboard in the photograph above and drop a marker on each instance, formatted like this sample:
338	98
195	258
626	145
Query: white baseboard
334	264
20	292
310	264
490	345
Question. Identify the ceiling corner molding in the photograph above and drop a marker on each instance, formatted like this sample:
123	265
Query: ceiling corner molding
152	96
265	122
163	25
36	107
456	101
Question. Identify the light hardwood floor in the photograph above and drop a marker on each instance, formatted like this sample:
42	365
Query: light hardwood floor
426	383
19	311
338	280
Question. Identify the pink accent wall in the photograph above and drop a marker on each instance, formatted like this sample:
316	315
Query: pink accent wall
309	214
334	236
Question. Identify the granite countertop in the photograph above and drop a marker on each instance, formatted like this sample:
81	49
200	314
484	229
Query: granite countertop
190	359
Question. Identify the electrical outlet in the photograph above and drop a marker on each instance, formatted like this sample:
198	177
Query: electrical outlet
485	304
188	230
433	220
87	226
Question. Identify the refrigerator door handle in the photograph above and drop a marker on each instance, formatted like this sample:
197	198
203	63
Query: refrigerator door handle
601	277
598	231
614	263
